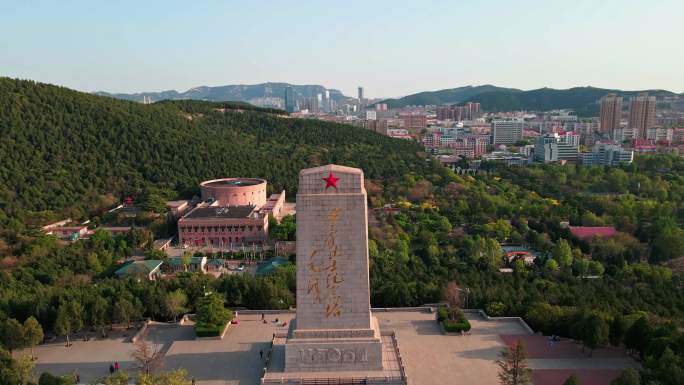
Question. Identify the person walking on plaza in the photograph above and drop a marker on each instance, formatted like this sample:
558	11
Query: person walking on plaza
261	354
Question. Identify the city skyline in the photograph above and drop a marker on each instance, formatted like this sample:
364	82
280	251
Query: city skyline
150	47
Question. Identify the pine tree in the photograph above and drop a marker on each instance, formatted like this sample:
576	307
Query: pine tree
513	364
33	333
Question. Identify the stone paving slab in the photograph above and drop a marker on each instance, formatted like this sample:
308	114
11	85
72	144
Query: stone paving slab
585	377
429	356
540	347
434	358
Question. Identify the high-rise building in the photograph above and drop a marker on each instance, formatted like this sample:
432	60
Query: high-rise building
467	112
473	110
360	94
290	102
310	104
611	112
642	110
414	121
507	131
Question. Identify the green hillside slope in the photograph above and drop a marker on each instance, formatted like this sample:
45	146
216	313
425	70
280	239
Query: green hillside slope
62	150
447	96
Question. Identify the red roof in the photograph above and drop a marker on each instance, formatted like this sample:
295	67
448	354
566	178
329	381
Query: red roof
583	232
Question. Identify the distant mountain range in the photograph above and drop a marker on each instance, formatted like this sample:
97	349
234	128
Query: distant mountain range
238	92
492	98
581	99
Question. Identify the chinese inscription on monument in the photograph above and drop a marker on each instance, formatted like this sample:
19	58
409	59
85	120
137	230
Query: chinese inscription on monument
325	262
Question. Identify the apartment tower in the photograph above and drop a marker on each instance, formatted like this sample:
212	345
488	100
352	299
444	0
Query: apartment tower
611	112
642	114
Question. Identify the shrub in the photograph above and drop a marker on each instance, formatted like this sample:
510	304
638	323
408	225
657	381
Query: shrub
49	379
456	326
442	314
495	309
205	330
452	320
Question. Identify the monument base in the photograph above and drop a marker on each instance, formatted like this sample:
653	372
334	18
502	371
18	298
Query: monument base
391	373
333	350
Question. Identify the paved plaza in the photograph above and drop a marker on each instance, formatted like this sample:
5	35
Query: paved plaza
429	356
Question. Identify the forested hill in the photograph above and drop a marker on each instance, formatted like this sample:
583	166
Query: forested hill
69	152
493	99
584	100
447	96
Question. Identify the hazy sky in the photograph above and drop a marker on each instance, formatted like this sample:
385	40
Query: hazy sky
390	47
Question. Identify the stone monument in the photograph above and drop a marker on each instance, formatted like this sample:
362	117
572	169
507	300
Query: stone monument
333	329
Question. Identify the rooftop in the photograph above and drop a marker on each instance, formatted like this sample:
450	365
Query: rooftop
175	204
221	212
269	266
131	267
178	261
583	232
233	182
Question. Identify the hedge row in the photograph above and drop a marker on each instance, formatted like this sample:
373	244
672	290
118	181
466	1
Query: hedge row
453	320
204	330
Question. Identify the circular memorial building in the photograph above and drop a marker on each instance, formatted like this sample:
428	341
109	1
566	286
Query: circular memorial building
235	191
233	211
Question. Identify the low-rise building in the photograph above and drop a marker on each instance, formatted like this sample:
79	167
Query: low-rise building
588	232
149	269
177	264
177	208
271	265
606	154
508	158
554	148
234	212
660	134
69	233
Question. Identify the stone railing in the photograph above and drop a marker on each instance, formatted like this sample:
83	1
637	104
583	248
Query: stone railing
336	380
400	361
488	318
420	309
218	337
136	337
186	318
270	312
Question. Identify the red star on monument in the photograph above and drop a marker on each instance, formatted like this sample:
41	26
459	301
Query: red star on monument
331	181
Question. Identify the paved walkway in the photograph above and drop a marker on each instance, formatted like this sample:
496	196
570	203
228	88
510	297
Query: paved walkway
433	358
553	363
430	357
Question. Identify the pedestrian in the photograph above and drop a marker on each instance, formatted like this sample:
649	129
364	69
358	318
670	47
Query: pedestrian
261	354
263	316
116	366
111	369
78	378
193	381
